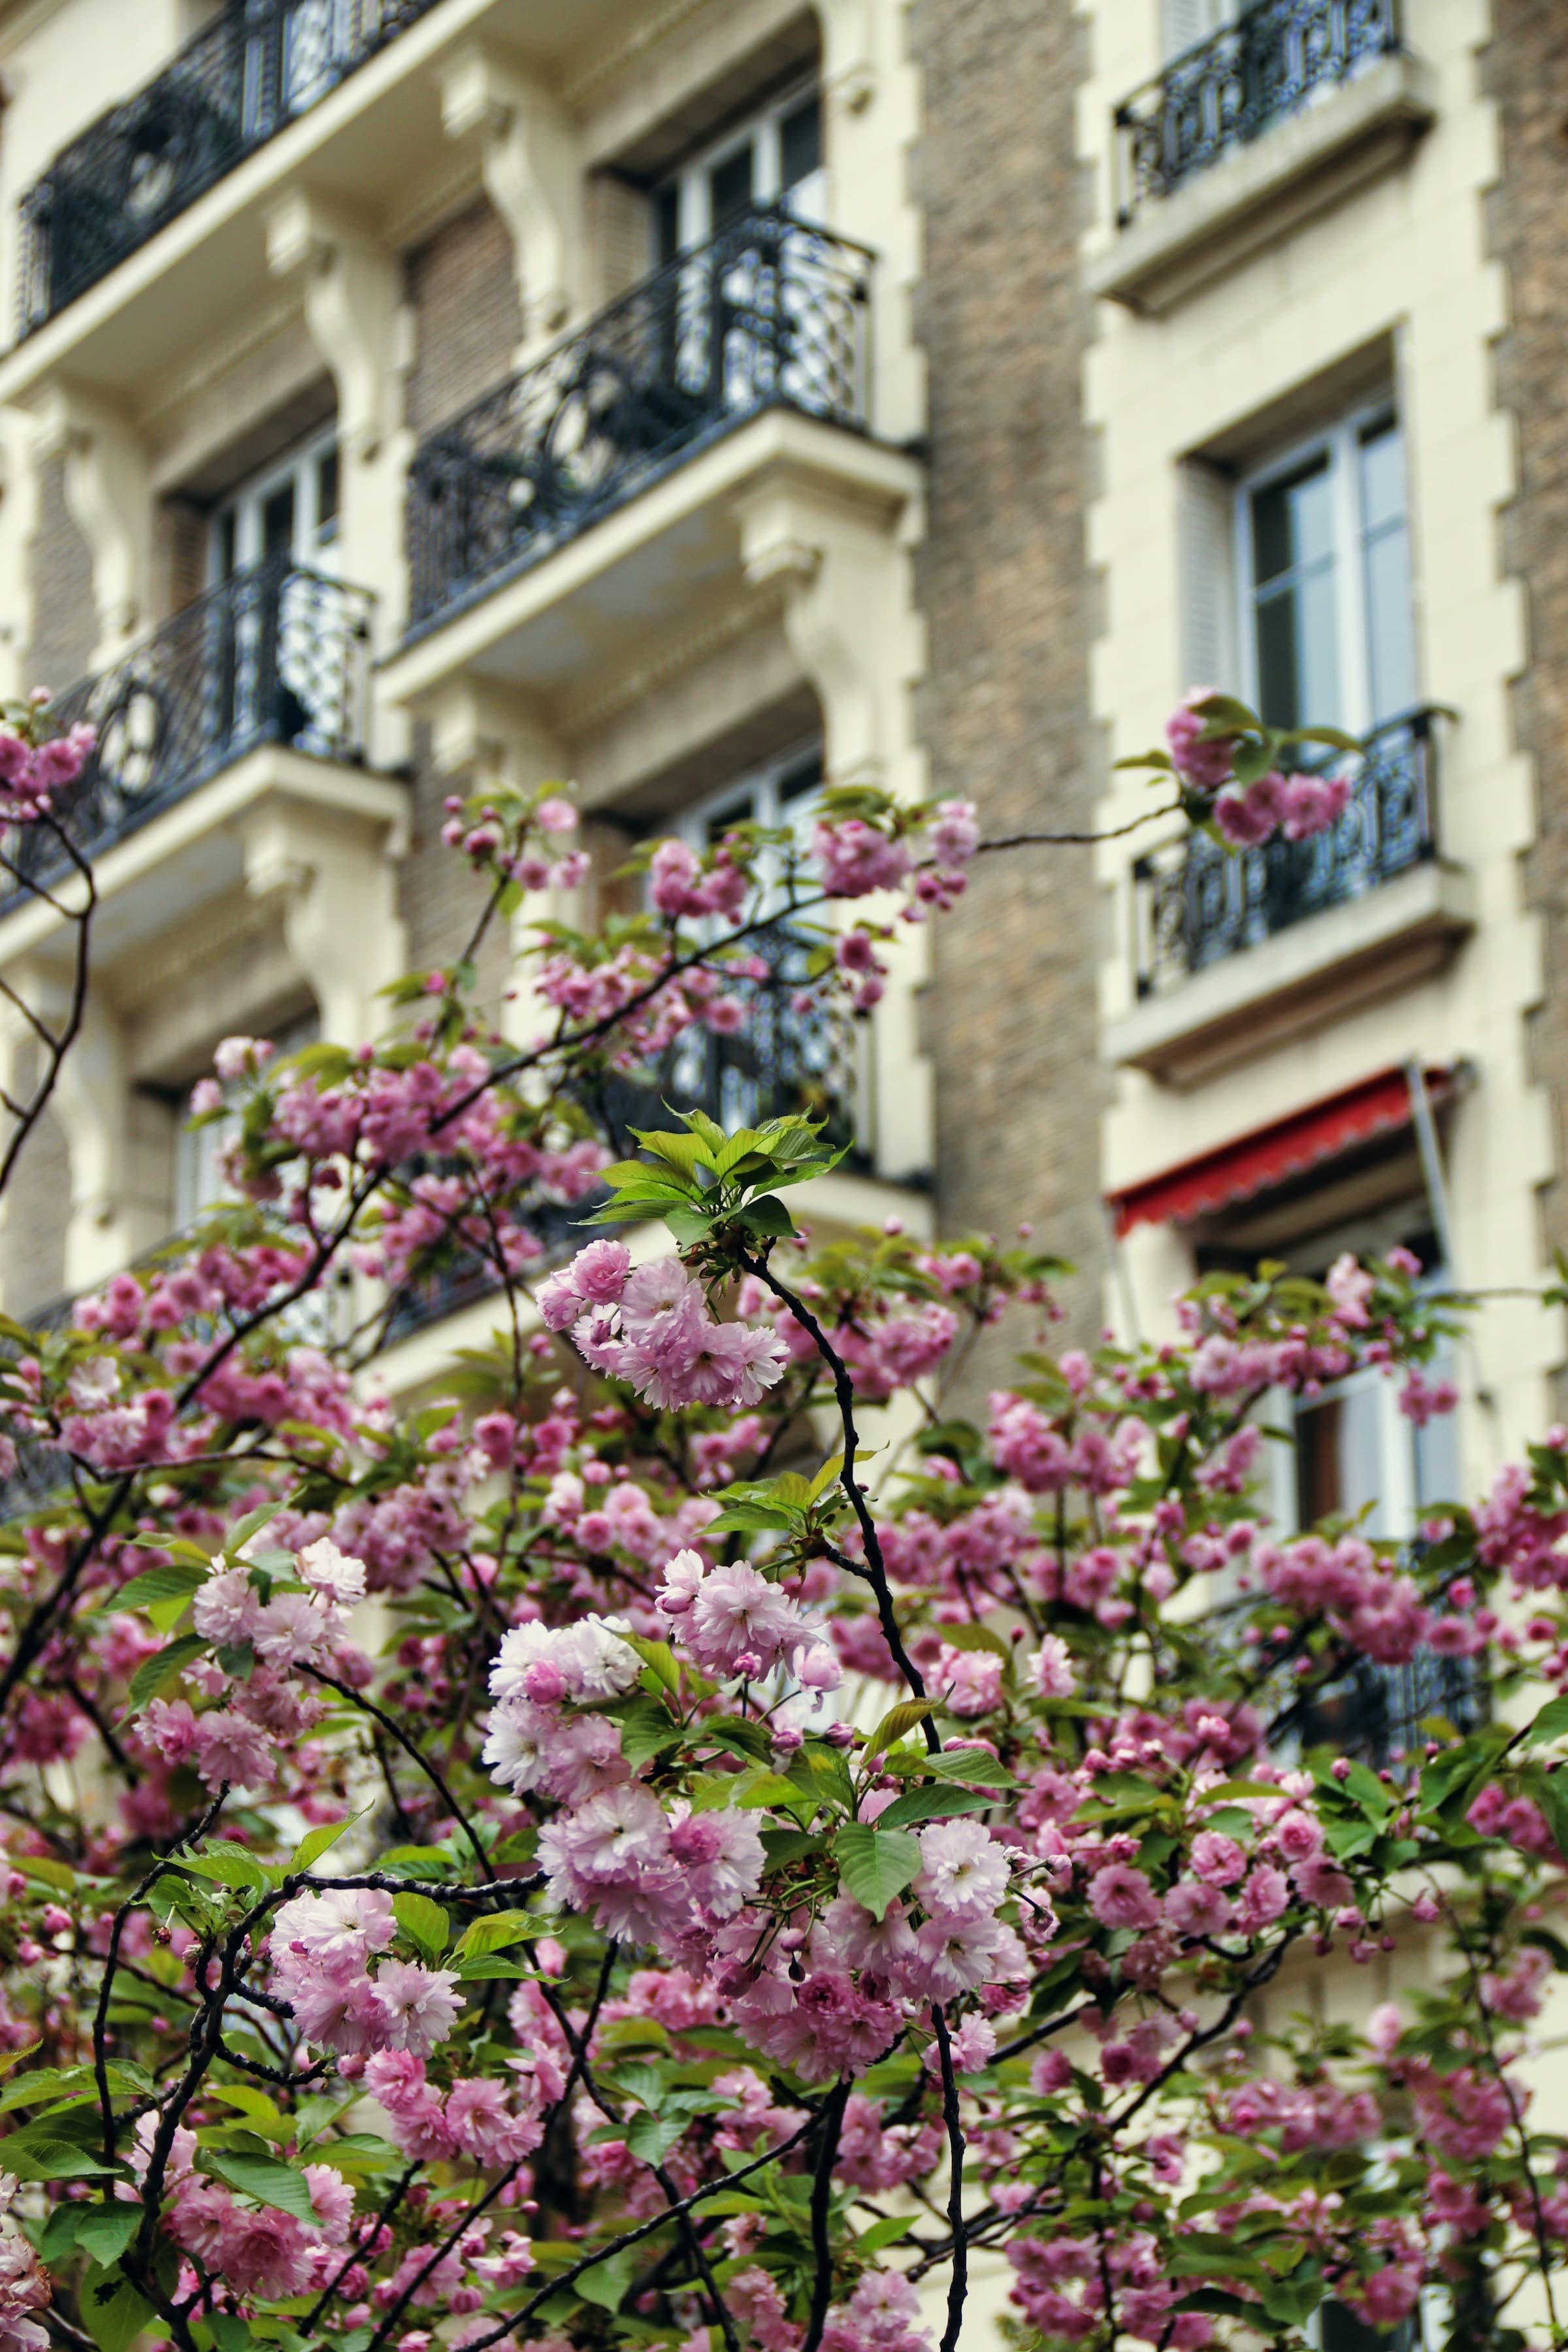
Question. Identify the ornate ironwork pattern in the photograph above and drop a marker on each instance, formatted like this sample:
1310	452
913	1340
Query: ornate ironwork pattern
769	313
789	1054
1270	63
1382	1713
1195	901
276	655
243	78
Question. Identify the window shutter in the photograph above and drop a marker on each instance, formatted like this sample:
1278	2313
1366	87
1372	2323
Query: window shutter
1206	568
1185	22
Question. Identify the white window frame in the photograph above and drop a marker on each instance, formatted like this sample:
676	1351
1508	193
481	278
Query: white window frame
1340	441
694	223
316	541
755	798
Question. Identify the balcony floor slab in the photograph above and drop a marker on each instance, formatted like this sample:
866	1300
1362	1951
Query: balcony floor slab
1295	169
1313	972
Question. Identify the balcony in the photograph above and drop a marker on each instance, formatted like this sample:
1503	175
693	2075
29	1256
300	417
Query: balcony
259	66
1255	130
788	1056
769	315
277	655
1236	950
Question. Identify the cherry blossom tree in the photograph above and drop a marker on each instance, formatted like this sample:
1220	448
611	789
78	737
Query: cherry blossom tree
687	1838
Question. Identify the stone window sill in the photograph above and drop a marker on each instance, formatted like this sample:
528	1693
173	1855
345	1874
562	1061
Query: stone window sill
1297	169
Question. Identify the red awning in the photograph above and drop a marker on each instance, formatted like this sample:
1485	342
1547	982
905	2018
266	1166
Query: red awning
1254	1162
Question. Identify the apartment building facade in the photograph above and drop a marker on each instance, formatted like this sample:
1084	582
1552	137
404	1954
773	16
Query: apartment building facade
405	394
1314	415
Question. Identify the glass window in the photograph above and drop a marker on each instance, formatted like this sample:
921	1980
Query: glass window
290	510
775	157
1329	626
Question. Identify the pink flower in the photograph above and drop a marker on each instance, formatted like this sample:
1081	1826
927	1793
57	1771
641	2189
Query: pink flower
721	1855
1298	1835
263	2253
226	1607
230	1747
556	816
336	1573
1321	1883
1203	764
1314	803
735	1611
1216	1858
955	833
969	1680
1193	1909
421	2005
963	1870
1121	1896
1051	1667
1264	1897
599	1273
332	2200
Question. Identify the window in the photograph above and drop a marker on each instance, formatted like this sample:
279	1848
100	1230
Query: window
783	795
773	158
1323	560
290	510
200	1182
1185	22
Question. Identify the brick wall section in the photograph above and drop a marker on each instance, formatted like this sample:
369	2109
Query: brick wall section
32	1234
440	896
1010	1020
467	320
65	623
1525	68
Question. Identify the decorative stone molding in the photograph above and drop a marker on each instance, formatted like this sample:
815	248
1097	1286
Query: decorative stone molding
849	52
531	167
360	326
843	574
108	487
335	878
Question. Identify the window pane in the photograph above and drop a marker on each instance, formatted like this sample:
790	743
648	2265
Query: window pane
1292	522
1297	651
1390	636
278	521
800	143
1382	475
667	221
729	186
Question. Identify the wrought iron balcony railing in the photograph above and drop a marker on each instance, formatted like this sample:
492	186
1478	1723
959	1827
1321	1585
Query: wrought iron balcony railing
789	1054
769	313
1276	57
1197	902
257	67
1384	1714
276	655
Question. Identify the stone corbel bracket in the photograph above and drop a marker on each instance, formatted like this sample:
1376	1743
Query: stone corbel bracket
334	875
849	52
839	558
353	308
108	485
530	161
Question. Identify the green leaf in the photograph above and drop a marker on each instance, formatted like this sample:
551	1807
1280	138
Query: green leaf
1549	1723
229	1863
651	2136
977	1637
40	2158
970	1764
157	1672
107	2229
115	2321
884	2233
493	1965
767	1217
875	1864
164	1592
898	1720
658	1657
265	2177
252	1524
932	1805
424	1923
496	1932
785	1846
1549	1791
316	1842
606	2284
647	1729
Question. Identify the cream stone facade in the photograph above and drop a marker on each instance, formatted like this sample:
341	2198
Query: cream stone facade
1334	264
445	201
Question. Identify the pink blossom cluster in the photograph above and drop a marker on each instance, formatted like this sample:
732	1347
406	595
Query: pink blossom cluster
320	1947
1296	806
651	1328
731	1621
31	774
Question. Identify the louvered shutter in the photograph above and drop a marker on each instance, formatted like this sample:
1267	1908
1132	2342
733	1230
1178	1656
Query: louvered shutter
1206	568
